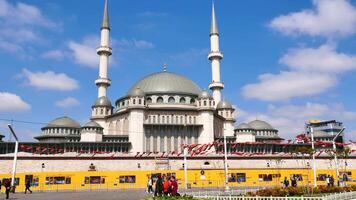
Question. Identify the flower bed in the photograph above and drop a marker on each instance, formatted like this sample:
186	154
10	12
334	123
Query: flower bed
301	191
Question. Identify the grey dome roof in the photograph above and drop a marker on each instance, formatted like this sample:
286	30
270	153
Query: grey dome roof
224	105
137	92
92	124
103	101
205	95
260	125
65	122
166	82
244	126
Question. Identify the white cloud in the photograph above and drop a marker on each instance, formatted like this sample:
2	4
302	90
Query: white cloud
290	119
67	102
21	23
84	53
130	44
12	103
54	54
49	80
321	59
328	18
286	85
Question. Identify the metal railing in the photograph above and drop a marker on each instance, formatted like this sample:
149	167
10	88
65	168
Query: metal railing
220	195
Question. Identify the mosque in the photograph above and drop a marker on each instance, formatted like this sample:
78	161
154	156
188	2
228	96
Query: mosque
160	112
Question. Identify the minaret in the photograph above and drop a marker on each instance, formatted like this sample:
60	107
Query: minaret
102	106
215	56
104	51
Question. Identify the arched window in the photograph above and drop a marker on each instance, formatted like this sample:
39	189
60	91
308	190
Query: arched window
134	101
182	100
171	100
205	103
159	100
149	100
192	101
123	103
139	101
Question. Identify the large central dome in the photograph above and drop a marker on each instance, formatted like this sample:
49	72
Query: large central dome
166	82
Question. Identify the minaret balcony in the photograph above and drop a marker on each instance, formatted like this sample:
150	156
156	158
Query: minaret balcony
102	81
216	85
104	50
215	54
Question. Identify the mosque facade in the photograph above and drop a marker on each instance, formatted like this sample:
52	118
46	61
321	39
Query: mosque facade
160	112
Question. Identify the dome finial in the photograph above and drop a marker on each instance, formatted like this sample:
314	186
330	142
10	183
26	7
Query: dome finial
165	66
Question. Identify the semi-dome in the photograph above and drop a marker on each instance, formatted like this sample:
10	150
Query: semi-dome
166	82
205	95
224	105
64	122
103	101
92	124
260	125
244	126
137	92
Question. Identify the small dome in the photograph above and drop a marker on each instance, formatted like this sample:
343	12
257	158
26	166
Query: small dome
103	101
244	126
260	125
64	122
224	105
92	124
205	95
137	92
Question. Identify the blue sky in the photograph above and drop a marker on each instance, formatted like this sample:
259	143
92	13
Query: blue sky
284	61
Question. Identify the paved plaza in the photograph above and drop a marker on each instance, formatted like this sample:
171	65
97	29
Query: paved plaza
130	194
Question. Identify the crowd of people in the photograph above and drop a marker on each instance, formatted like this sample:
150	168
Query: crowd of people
163	186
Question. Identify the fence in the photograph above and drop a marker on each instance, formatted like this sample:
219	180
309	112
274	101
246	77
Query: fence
224	196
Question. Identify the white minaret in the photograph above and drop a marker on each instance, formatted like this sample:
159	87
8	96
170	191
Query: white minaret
215	56
104	51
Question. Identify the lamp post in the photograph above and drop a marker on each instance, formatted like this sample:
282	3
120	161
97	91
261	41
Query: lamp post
313	155
185	152
335	154
15	155
226	169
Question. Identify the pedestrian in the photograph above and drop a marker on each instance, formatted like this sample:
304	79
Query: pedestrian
286	182
166	186
159	187
149	185
328	180
28	185
332	181
7	186
174	186
294	181
0	185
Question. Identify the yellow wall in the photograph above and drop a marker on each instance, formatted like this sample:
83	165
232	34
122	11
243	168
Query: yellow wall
210	178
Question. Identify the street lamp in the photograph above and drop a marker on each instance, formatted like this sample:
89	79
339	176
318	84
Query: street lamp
335	154
226	169
15	155
313	156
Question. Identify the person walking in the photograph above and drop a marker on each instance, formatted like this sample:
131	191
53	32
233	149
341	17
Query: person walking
149	185
328	180
286	182
174	186
7	186
166	186
159	187
28	185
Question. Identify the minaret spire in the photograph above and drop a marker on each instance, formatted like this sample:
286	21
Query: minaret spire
103	82
215	56
105	23
214	23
